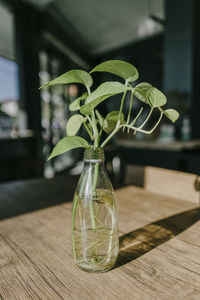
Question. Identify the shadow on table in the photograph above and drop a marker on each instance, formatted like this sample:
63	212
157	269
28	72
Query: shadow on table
140	241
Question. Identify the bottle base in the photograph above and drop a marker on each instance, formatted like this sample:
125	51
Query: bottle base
95	270
93	266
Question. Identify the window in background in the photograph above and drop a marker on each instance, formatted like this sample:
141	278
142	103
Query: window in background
55	113
9	97
9	85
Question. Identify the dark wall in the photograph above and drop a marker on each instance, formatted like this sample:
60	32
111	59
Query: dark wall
146	55
178	46
182	60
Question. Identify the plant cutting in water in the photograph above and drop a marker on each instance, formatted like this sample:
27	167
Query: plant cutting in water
91	234
93	121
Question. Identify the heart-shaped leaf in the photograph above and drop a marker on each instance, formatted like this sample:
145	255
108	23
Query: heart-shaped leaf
68	143
99	117
140	91
155	97
120	68
111	120
74	124
104	91
73	76
171	114
75	105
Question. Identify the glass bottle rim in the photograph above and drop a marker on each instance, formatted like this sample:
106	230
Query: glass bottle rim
94	155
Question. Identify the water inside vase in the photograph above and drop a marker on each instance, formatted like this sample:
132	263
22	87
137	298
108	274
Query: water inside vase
96	247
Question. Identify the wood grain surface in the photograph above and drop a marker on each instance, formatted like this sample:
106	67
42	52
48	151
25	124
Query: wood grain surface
159	253
183	186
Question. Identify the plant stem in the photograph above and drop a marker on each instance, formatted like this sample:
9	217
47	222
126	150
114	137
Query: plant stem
94	184
122	104
95	130
145	121
130	107
88	131
144	131
111	135
88	90
133	122
161	115
100	133
90	121
96	171
118	122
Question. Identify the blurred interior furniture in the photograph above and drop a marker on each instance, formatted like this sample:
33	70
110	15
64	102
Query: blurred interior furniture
126	159
182	156
159	243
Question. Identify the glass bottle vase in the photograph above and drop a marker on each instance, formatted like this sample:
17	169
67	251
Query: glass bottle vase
95	239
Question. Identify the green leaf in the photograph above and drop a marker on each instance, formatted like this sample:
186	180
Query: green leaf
155	97
104	91
75	105
99	117
120	68
148	94
74	124
73	76
68	143
171	114
111	120
140	91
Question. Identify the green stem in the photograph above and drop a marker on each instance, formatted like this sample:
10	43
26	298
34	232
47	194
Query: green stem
94	184
130	107
90	121
129	112
122	104
144	131
133	122
111	135
118	122
88	90
88	131
95	130
145	121
96	171
100	133
73	222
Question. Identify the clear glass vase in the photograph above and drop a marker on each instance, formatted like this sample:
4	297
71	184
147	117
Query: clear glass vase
95	239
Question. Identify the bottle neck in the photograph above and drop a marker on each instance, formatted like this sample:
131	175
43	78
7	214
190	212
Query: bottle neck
94	156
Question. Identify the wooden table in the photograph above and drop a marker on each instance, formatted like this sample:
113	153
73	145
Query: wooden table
159	253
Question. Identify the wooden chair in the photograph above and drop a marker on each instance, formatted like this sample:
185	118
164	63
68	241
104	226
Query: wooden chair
184	186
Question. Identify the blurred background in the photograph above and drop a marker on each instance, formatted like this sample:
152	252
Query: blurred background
41	39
